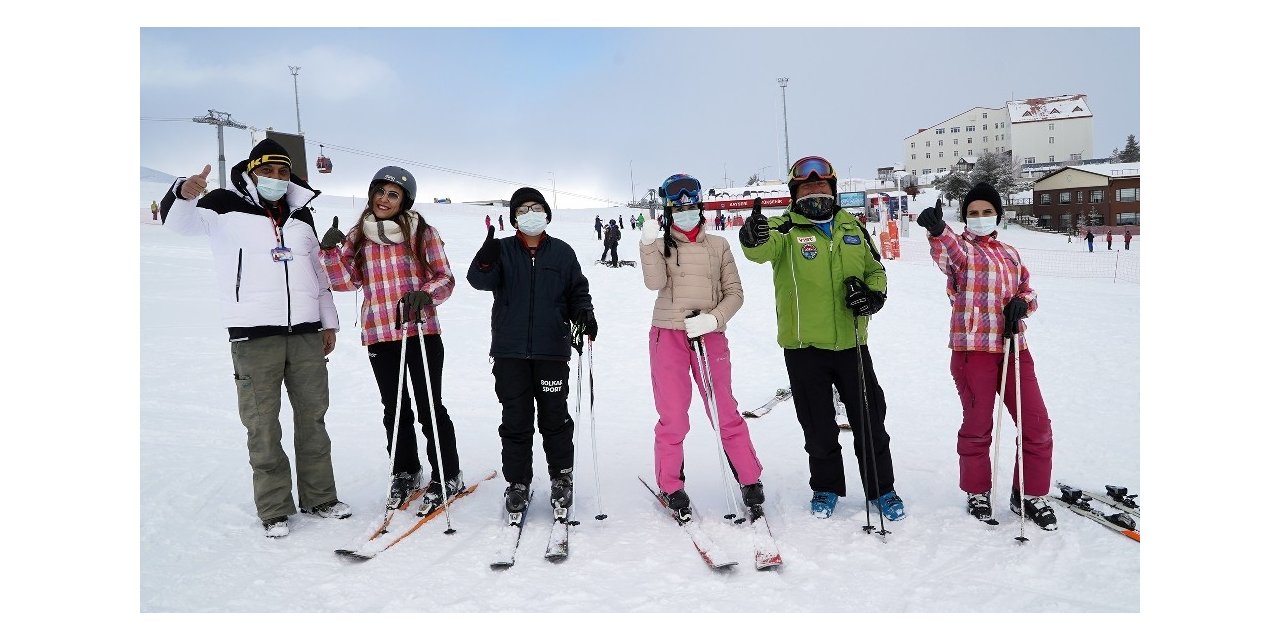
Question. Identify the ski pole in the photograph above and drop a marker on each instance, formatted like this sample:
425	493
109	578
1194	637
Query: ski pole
1017	421
395	429
713	411
435	429
591	411
995	435
866	443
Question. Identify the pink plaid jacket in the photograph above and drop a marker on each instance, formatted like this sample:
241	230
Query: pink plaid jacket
983	275
389	273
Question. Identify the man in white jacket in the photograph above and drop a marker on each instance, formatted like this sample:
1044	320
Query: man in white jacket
280	319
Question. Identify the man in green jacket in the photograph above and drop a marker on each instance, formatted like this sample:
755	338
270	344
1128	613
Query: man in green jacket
827	281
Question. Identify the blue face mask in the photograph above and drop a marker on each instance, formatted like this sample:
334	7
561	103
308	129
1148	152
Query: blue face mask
532	223
686	220
272	189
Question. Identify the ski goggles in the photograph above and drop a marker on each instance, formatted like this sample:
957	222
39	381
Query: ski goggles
811	166
681	189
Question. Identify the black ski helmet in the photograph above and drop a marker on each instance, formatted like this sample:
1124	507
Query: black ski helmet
399	177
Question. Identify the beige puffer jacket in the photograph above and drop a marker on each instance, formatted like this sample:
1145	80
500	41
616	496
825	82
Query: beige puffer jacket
699	276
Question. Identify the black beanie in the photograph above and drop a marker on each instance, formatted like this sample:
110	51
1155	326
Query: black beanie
267	152
982	191
528	194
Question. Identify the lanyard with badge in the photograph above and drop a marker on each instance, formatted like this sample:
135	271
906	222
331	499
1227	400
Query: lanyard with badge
279	253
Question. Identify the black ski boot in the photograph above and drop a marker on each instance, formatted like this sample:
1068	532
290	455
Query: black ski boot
562	491
980	505
432	498
678	502
402	485
1037	509
516	497
753	494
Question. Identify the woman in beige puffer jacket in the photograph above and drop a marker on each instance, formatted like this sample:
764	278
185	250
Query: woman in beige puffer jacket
699	290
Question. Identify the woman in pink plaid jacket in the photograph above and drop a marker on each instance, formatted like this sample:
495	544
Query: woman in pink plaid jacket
399	261
990	294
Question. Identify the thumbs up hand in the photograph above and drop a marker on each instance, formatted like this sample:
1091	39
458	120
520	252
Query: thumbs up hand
756	231
333	237
194	186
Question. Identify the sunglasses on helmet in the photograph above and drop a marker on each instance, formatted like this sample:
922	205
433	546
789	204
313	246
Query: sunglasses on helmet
807	168
681	189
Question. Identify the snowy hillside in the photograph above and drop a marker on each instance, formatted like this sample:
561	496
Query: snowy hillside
202	548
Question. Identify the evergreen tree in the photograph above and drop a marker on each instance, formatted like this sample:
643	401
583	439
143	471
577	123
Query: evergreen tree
754	179
1131	152
953	186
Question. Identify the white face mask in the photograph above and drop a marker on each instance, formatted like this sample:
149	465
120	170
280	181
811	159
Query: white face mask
981	226
686	220
532	223
271	189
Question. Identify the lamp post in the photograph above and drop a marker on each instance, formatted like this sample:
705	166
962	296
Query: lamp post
297	111
761	173
782	82
555	201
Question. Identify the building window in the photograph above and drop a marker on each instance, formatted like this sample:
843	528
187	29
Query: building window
955	129
1051	126
913	157
943	130
1127	195
954	153
969	128
984	127
928	144
1050	139
984	139
1075	156
1029	160
1127	217
1064	197
913	172
913	145
922	172
957	140
1044	199
928	155
1095	196
1050	158
941	169
969	152
941	142
984	117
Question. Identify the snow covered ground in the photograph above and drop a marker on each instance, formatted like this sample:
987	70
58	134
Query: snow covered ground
202	549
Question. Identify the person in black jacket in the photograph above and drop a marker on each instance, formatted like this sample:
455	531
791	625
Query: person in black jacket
611	237
538	288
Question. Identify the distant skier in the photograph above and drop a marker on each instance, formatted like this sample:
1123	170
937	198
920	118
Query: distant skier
1088	237
1128	235
599	228
612	236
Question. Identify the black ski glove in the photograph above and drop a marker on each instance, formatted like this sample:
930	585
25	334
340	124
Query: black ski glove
586	321
756	231
414	302
860	298
931	219
1013	312
488	253
333	237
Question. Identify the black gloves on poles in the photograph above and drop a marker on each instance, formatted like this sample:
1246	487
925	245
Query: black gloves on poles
756	231
586	321
333	237
860	298
414	302
1013	312
931	219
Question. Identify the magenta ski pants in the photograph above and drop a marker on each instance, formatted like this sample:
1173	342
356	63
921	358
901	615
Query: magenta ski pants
673	367
977	377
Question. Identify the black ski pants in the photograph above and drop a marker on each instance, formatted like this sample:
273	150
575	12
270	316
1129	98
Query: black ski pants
610	248
812	373
384	357
520	384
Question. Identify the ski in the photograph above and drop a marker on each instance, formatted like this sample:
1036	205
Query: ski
711	554
381	524
767	555
780	396
1115	497
558	541
1079	503
392	536
509	540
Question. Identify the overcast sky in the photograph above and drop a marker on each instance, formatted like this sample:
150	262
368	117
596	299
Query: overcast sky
587	106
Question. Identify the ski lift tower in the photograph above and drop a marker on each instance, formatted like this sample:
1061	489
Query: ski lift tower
220	119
